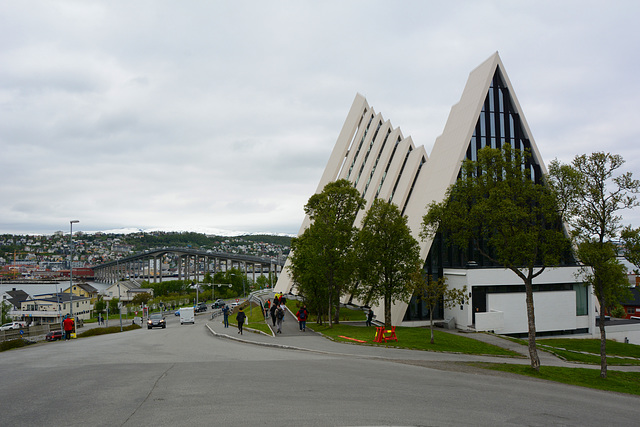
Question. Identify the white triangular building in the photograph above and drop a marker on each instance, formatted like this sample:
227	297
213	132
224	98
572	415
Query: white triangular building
381	162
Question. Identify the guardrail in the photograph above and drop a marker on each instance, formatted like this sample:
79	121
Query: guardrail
36	333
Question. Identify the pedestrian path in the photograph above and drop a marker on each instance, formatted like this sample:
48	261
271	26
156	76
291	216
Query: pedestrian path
293	339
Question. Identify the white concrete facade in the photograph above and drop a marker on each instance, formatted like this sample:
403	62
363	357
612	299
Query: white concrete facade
381	162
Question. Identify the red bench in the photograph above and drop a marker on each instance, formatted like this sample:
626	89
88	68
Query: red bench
385	334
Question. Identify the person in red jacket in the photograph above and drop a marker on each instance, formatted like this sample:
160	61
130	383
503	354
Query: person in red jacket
302	315
67	323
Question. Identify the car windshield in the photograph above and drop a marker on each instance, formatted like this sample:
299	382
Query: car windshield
155	316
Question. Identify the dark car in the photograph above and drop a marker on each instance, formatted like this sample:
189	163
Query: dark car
156	320
201	307
218	304
54	336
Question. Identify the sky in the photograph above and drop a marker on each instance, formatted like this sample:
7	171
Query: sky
219	117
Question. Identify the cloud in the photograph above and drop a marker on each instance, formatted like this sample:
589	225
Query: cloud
222	115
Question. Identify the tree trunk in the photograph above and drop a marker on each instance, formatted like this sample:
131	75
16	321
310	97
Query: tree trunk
603	345
431	322
531	317
387	311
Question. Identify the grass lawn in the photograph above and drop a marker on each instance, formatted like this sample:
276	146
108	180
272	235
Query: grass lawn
413	338
255	319
573	350
622	382
346	314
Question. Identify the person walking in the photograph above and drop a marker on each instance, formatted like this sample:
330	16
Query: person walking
302	315
369	317
225	316
272	311
279	318
240	317
67	324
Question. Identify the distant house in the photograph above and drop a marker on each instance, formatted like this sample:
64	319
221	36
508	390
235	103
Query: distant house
51	308
83	290
125	290
632	306
15	297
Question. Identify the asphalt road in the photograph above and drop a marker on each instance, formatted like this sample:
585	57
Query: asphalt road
183	375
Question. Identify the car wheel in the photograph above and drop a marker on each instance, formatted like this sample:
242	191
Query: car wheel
148	327
164	326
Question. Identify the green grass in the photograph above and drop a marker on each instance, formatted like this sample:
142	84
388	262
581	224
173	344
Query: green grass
17	343
108	330
573	350
255	319
415	339
622	382
346	314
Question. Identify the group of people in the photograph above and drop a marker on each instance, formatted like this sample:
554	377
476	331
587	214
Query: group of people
276	309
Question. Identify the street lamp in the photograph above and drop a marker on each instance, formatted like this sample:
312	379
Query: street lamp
73	221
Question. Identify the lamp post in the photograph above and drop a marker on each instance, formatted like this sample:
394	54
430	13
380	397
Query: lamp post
120	306
73	221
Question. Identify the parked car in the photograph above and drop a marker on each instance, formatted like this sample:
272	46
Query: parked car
12	325
54	336
156	320
218	304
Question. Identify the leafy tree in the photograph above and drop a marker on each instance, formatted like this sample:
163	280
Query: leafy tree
329	242
506	217
141	298
4	312
101	306
113	305
599	193
432	291
387	256
631	246
305	263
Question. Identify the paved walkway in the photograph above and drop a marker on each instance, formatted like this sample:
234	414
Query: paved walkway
293	339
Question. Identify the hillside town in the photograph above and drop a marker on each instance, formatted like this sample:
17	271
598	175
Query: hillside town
48	256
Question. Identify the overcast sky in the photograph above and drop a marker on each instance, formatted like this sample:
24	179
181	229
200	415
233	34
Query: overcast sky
219	117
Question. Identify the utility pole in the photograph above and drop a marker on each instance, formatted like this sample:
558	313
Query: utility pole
73	221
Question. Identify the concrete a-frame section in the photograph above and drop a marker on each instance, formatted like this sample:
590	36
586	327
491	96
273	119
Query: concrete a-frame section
413	184
375	157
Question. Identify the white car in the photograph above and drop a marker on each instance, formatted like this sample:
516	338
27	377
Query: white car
12	325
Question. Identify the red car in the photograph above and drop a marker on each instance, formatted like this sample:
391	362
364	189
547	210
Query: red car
54	336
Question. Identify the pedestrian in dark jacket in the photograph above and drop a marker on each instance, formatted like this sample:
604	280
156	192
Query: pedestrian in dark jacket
240	319
369	317
272	310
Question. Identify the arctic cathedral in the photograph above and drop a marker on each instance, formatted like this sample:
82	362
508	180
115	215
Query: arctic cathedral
382	163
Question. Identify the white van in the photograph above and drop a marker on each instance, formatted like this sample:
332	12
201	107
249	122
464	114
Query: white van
187	315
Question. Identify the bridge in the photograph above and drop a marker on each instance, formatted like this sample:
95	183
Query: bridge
190	263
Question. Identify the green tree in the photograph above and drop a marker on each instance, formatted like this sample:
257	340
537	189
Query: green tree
4	311
141	298
101	306
113	305
631	246
387	256
506	217
305	263
328	244
432	291
599	191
